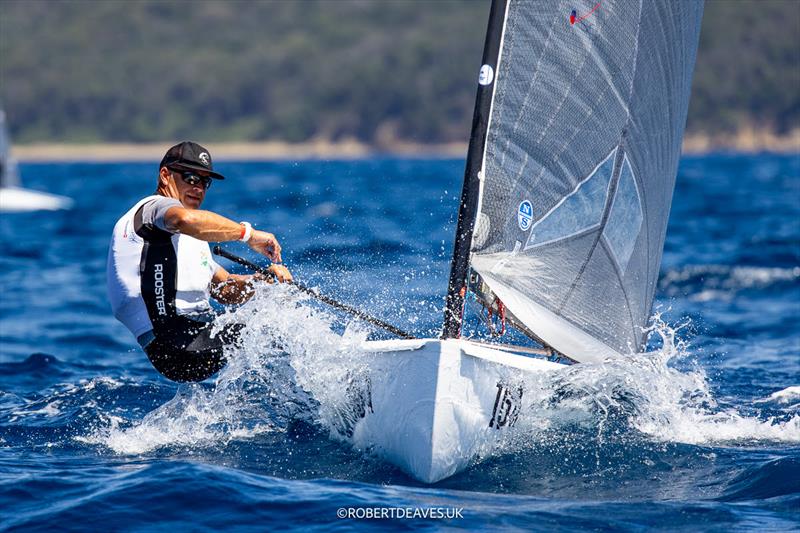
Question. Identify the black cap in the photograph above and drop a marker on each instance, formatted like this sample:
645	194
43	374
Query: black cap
189	155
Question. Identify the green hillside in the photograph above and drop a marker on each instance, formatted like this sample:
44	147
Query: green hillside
377	71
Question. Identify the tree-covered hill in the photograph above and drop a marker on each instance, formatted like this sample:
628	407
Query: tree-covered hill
376	71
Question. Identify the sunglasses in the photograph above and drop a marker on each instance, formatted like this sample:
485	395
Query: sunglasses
194	180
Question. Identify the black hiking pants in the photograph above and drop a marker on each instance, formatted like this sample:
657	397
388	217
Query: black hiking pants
189	353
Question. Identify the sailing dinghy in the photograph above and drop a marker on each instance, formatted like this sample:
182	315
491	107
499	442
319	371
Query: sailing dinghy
14	198
576	137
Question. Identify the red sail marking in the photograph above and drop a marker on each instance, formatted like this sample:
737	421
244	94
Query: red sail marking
573	16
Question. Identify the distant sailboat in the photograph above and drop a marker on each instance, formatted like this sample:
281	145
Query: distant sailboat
568	184
13	198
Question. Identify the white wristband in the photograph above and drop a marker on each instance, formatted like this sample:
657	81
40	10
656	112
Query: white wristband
248	231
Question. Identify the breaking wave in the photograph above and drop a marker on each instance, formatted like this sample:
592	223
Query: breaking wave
646	393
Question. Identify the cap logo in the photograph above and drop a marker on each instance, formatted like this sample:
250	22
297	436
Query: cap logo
203	157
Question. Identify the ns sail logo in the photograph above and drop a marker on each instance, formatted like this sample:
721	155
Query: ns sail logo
525	215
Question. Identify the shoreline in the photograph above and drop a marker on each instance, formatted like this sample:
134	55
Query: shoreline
747	141
231	151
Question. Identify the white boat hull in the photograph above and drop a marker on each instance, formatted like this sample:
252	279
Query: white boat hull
17	199
431	406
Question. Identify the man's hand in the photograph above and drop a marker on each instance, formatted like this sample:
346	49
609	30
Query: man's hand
237	288
280	273
266	244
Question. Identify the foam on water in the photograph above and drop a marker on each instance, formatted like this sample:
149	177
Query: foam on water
292	365
646	393
788	399
62	401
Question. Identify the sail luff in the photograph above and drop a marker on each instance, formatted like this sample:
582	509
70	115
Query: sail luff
470	193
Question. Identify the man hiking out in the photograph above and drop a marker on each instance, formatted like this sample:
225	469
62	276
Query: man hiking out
161	273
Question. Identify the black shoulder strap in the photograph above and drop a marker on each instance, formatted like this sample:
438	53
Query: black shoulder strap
158	268
148	232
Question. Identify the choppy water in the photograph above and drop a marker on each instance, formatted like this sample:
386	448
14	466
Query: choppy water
702	433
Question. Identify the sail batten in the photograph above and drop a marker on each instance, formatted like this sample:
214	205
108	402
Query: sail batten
578	165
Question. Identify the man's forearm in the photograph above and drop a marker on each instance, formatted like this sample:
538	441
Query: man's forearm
211	227
204	225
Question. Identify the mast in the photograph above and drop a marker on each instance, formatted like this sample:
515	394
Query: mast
459	267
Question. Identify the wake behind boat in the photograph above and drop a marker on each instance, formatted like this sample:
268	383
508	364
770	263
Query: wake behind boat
14	198
568	184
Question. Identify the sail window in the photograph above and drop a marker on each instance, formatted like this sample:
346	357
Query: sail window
625	219
577	212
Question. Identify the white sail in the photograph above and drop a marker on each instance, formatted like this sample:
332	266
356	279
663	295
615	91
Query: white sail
9	175
581	153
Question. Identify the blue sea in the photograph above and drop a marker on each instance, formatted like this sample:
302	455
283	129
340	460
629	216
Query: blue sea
700	434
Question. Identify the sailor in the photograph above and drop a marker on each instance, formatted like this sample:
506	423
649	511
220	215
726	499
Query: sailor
161	274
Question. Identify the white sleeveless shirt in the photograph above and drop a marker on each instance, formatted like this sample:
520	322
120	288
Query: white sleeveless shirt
195	269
